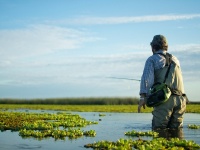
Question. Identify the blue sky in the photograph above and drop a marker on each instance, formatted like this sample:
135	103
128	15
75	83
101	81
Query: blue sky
69	48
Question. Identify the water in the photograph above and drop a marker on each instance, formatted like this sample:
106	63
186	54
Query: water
111	127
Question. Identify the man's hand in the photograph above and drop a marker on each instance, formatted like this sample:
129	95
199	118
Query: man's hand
141	103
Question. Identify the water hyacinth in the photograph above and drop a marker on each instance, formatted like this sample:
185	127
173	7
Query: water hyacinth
155	144
139	133
45	125
38	125
140	144
57	134
102	115
90	133
193	126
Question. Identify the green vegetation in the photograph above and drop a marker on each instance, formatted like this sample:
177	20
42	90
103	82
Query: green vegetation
191	108
62	125
56	133
101	115
80	108
44	125
157	143
193	126
139	133
98	104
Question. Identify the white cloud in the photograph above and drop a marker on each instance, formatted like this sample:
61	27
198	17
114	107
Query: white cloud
41	42
189	48
130	19
40	39
73	70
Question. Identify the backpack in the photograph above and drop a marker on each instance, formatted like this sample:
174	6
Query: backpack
160	92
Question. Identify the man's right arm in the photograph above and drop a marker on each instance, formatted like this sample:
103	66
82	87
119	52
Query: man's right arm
147	81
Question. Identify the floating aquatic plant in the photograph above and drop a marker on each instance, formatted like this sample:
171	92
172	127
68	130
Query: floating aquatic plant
157	143
193	126
90	133
154	144
42	125
140	133
57	134
102	115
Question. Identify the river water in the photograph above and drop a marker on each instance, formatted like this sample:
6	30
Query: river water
110	127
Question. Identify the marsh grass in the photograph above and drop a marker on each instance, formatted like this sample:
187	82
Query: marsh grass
191	108
90	104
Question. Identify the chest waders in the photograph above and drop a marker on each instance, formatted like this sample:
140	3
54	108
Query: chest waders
170	113
174	80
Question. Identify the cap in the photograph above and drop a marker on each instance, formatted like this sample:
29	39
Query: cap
160	41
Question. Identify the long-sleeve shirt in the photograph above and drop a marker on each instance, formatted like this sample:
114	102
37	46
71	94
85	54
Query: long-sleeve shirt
154	62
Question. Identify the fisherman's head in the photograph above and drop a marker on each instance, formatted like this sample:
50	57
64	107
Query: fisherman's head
159	42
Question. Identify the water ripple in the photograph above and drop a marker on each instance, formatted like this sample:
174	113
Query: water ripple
25	146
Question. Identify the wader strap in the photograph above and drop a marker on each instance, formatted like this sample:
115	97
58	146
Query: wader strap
168	58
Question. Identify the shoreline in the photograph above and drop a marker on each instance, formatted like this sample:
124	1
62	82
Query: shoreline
191	108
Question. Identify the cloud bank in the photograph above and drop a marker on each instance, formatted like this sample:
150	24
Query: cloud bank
38	55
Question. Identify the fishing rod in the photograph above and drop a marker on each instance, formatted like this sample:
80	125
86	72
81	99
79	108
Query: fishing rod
124	78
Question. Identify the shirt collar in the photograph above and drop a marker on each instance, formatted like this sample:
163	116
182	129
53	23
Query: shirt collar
161	51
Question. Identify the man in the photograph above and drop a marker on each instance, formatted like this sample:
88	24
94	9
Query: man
170	113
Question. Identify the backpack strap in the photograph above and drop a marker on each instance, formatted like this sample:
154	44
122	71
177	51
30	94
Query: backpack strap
168	63
168	58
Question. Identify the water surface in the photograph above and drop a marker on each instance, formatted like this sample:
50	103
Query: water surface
110	127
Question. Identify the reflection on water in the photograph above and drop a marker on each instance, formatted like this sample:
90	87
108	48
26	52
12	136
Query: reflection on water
170	133
111	127
26	146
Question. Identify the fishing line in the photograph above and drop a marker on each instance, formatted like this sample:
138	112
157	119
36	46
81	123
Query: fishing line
124	78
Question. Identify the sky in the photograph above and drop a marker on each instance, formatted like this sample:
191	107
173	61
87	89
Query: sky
71	48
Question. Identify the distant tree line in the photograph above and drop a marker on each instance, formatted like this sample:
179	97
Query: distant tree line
75	101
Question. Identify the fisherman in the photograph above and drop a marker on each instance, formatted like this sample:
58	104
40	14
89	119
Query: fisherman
168	115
